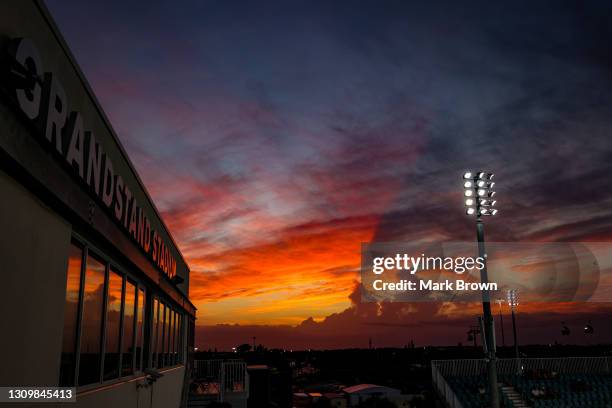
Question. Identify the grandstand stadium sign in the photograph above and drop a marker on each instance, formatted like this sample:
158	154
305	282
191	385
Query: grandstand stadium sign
41	98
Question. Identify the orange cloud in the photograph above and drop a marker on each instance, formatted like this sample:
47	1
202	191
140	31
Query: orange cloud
308	271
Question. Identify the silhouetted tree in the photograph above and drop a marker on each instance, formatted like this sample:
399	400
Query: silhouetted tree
243	348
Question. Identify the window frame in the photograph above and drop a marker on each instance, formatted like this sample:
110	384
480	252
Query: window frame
139	336
140	289
127	279
102	335
111	268
166	355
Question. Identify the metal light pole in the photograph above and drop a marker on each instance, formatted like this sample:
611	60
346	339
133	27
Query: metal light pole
501	321
513	302
478	200
472	335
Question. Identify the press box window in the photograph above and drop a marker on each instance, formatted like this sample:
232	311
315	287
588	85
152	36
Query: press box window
167	341
91	322
162	333
154	332
71	312
103	329
140	309
113	325
127	351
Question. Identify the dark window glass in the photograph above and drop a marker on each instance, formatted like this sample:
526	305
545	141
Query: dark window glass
184	337
170	334
173	348
71	308
140	329
160	334
113	325
154	333
181	341
174	338
127	358
178	338
89	360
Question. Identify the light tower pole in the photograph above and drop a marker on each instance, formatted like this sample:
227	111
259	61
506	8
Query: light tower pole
513	302
501	321
479	202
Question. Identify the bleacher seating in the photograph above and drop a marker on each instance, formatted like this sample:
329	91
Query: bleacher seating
560	391
471	390
567	390
567	382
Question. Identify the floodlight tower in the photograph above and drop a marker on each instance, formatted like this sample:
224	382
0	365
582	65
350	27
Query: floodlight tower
501	321
513	302
479	202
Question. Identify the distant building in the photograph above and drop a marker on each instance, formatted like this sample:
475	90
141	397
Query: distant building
281	386
357	394
259	386
336	399
219	382
352	396
301	400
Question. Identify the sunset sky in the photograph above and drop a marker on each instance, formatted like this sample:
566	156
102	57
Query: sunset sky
276	137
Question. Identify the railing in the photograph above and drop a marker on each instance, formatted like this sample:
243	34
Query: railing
562	365
443	389
227	379
206	369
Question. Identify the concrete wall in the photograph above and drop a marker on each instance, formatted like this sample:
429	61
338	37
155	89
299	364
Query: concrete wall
34	244
164	393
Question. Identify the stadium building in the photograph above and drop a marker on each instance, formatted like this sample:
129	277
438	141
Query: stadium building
94	288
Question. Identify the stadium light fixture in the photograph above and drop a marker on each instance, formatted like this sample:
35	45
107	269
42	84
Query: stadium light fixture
513	302
486	203
513	299
488	211
478	191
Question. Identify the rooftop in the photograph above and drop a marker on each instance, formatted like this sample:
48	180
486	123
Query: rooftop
367	388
